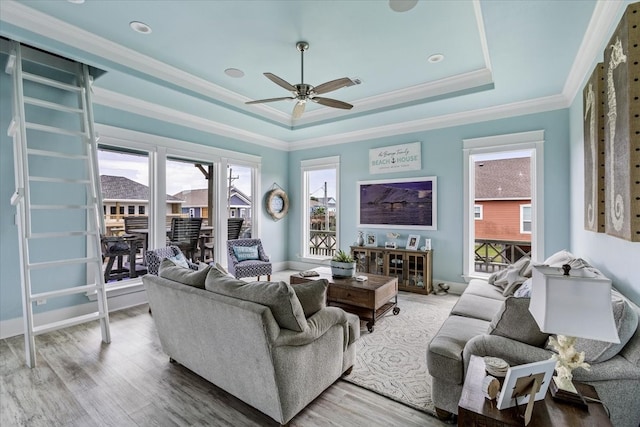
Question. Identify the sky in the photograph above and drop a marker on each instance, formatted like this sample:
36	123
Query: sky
183	176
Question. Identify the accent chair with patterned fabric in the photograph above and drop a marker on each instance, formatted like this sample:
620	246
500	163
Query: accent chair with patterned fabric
247	258
155	257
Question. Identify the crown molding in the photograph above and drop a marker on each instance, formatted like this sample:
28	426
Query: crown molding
597	34
55	29
539	105
134	105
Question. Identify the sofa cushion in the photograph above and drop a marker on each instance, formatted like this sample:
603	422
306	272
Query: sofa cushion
476	306
278	296
626	320
312	296
185	275
482	288
244	253
444	358
515	321
524	291
559	259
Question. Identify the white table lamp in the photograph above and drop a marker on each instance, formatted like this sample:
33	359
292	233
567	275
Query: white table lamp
571	304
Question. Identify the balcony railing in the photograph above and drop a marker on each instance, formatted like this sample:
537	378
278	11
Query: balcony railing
322	242
493	255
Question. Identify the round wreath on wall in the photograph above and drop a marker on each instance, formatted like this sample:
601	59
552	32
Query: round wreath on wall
277	203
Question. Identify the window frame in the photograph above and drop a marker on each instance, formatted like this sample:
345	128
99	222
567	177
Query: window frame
532	141
522	220
322	163
480	211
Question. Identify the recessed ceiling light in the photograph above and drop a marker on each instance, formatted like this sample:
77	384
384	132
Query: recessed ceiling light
234	72
140	27
402	5
438	57
76	1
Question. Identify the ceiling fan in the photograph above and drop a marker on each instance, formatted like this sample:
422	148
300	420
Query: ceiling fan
303	92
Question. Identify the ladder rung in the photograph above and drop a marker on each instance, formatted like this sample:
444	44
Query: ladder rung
13	127
52	129
46	264
59	180
58	234
72	321
50	82
36	152
60	207
51	105
64	292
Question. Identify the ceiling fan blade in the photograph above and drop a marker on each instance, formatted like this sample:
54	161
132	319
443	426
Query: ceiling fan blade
260	101
332	103
298	109
333	85
280	82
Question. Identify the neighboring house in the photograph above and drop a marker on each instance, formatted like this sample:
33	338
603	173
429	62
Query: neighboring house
317	202
196	203
123	197
503	199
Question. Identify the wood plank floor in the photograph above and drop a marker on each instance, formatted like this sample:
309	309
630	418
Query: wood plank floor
80	381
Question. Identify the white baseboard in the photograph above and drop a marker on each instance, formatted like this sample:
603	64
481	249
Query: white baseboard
116	301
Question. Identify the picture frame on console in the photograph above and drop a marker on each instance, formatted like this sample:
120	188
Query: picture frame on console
371	240
409	203
412	242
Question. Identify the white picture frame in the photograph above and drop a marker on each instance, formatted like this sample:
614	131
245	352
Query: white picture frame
426	246
371	239
525	374
413	241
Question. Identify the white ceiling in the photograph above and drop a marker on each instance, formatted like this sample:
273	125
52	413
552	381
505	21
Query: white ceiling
501	58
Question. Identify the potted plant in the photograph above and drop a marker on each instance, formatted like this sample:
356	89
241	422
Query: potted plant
342	264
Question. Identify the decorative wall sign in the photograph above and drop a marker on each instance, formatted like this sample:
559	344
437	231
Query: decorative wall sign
398	203
397	158
593	121
622	130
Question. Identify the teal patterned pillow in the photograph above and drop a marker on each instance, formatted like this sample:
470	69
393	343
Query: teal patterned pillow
244	253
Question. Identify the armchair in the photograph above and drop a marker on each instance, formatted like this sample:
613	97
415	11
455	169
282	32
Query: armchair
185	234
155	257
246	258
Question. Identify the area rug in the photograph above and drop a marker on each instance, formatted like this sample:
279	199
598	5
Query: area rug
391	361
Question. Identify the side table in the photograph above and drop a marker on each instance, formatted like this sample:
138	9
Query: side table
476	410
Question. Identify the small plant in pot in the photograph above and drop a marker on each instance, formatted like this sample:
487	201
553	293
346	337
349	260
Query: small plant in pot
342	264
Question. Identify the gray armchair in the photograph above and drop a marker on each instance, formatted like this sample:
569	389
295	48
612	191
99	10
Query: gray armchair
253	260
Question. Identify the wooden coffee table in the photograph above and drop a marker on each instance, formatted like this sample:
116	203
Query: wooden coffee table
370	299
475	410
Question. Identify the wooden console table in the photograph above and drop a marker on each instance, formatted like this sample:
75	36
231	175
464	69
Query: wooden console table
474	410
412	268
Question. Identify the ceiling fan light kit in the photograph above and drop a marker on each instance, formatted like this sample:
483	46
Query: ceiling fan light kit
302	92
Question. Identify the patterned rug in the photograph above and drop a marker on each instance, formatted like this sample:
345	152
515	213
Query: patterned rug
391	361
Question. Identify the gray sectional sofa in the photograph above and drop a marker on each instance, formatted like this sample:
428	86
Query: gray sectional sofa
272	347
485	322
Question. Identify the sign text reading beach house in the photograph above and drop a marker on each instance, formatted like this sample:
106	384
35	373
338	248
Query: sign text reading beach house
397	158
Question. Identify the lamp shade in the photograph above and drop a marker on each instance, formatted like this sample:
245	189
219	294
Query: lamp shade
578	305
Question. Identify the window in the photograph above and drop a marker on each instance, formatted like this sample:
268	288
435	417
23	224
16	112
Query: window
525	219
320	213
505	173
131	210
239	196
477	212
141	210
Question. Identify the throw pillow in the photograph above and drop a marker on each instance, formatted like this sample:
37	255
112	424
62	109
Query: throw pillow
312	296
514	321
244	253
524	291
511	277
626	320
559	259
278	296
179	260
223	270
187	276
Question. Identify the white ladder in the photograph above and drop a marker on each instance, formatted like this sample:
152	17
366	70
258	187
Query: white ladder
57	195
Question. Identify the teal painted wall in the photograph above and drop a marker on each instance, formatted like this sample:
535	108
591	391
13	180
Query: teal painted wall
442	157
616	258
273	169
